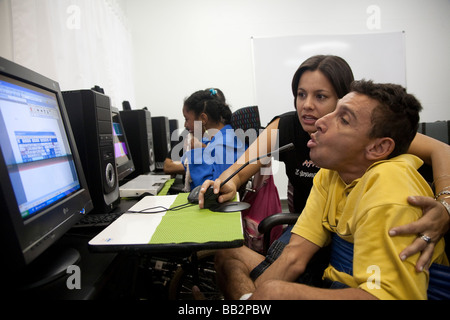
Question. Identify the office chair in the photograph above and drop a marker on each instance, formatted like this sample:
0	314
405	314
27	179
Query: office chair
439	130
246	118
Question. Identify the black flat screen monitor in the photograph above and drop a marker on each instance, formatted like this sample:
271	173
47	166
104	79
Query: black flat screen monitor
124	160
43	191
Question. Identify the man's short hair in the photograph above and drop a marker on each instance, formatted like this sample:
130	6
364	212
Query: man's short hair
396	115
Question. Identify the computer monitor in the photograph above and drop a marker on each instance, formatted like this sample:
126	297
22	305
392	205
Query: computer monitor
161	140
43	191
174	134
124	160
138	127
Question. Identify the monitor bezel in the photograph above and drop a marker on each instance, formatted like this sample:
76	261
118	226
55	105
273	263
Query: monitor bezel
126	168
25	240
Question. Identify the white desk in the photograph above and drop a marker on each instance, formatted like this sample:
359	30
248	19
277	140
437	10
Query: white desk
189	229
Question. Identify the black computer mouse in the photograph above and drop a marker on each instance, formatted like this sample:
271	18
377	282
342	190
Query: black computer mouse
209	197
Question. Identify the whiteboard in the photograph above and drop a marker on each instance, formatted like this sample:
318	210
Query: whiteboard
376	56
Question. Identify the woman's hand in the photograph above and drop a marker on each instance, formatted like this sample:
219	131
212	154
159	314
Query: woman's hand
434	224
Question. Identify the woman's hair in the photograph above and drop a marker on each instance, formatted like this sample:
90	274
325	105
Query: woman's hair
336	69
210	101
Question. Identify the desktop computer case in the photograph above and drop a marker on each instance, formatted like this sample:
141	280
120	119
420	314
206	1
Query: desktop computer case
90	118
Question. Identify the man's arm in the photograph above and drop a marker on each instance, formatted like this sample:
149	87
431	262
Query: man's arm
292	261
278	281
283	290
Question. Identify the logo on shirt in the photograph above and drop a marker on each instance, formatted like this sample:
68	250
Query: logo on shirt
306	174
309	163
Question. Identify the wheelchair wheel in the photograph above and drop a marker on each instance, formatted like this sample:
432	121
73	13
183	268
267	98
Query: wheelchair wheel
200	272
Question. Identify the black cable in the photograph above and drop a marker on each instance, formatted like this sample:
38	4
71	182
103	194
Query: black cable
164	209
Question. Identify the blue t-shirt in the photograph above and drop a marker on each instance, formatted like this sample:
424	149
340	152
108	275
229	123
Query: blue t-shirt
208	163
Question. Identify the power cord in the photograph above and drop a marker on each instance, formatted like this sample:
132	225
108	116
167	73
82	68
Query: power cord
163	209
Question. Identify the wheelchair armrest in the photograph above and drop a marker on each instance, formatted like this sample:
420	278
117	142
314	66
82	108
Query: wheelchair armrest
269	222
266	225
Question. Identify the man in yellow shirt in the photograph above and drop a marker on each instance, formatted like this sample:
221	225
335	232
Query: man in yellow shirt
361	194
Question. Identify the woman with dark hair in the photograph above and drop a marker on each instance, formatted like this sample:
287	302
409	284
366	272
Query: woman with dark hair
317	85
213	147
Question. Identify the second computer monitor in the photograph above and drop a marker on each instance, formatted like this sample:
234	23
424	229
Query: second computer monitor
161	140
122	151
138	128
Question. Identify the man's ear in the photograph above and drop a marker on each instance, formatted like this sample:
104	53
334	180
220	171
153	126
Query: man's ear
380	149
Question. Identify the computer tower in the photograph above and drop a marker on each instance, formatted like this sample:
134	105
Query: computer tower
90	117
161	140
138	128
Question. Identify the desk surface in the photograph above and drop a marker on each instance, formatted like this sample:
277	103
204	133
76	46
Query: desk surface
188	229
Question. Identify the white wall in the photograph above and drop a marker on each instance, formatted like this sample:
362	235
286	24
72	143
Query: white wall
5	30
79	43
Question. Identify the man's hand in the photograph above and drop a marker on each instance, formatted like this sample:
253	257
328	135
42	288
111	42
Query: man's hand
227	192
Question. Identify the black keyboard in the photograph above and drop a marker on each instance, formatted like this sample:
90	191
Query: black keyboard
98	220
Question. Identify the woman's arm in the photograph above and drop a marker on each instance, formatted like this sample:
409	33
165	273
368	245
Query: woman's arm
262	145
436	220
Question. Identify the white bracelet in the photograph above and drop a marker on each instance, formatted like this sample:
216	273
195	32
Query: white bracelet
446	205
442	193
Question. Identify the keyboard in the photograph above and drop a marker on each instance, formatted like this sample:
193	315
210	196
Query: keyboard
97	220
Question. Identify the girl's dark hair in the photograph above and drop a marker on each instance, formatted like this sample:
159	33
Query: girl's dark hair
211	103
334	68
218	93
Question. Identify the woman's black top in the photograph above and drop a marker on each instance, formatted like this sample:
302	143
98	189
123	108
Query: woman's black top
299	167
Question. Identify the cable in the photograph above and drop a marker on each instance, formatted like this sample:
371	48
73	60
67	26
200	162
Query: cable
163	209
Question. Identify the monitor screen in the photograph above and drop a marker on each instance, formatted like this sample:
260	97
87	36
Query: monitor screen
43	191
124	160
35	146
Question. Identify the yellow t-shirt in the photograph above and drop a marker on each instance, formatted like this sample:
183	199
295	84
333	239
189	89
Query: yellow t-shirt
362	213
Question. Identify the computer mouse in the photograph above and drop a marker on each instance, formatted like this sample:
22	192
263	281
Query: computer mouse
193	195
209	197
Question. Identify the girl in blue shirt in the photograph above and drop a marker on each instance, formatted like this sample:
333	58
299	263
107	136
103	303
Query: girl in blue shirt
213	146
